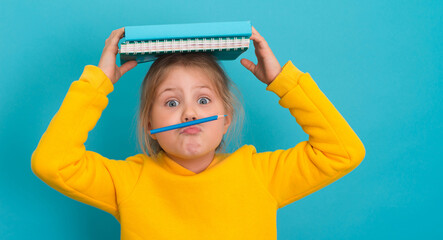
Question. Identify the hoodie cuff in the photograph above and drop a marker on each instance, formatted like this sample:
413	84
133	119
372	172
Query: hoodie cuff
286	80
97	78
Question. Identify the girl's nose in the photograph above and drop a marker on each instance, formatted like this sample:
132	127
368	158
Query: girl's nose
190	118
189	114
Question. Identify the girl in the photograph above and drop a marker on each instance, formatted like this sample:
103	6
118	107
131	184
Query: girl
185	188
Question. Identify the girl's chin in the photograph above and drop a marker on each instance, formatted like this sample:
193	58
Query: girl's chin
193	151
193	148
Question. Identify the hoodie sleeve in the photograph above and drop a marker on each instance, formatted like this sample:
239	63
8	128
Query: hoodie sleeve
61	160
332	151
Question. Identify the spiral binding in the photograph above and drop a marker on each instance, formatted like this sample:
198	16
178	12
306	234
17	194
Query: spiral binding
189	45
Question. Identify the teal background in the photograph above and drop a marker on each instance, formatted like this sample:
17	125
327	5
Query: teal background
379	62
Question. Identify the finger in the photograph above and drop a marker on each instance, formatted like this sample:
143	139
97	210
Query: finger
248	64
255	34
127	66
116	35
111	44
258	40
255	31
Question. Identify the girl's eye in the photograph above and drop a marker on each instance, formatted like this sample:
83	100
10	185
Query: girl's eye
204	100
172	103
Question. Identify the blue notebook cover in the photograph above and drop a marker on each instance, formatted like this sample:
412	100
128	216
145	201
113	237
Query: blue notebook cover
169	32
189	30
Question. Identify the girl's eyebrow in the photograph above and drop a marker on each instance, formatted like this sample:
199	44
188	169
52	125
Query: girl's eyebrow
175	89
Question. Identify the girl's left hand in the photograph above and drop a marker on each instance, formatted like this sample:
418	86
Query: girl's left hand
267	67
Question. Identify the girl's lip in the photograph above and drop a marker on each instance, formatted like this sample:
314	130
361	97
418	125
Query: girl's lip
191	130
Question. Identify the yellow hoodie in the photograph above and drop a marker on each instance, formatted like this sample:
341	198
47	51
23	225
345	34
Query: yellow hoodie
236	197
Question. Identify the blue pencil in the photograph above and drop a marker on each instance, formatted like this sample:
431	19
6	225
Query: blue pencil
185	124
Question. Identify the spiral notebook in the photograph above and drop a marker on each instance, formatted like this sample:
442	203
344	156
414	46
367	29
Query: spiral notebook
225	40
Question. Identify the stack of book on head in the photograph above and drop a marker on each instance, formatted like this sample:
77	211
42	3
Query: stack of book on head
225	40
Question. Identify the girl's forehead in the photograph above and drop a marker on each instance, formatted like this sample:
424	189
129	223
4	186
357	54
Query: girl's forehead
186	77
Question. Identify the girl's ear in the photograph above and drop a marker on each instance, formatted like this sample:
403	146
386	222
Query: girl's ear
149	129
227	120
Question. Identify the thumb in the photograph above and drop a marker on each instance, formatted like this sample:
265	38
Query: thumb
248	64
127	66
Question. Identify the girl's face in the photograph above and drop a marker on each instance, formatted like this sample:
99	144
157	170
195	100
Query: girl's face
187	94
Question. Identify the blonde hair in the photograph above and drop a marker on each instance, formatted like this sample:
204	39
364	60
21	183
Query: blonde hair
224	87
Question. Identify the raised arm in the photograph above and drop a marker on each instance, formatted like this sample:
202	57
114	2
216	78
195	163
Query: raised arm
62	161
332	151
333	148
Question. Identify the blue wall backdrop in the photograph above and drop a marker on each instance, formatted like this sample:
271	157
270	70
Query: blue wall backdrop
379	62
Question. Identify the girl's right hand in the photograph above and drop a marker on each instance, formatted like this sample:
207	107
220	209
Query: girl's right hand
107	60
